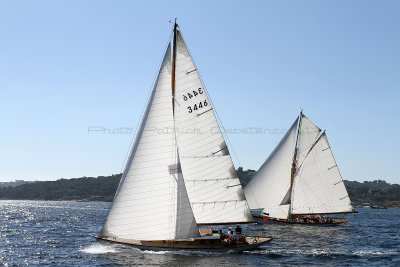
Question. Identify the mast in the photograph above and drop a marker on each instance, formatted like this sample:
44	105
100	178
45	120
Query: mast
293	171
173	66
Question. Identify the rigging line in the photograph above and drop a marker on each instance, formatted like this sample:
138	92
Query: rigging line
212	105
144	107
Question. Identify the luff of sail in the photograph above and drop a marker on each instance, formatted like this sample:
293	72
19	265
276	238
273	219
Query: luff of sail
269	188
213	187
318	185
151	202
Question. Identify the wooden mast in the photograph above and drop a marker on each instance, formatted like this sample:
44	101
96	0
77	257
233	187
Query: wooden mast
173	66
293	171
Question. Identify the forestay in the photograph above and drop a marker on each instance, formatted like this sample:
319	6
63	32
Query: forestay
269	188
213	187
151	202
318	186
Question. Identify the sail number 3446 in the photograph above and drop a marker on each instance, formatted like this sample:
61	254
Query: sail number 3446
196	106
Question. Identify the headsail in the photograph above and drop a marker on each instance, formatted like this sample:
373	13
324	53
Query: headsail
269	188
318	185
213	187
151	202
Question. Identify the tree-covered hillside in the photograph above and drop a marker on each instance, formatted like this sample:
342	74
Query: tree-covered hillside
103	188
373	193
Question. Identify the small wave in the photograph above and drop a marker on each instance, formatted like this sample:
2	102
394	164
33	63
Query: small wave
375	252
152	252
99	249
322	252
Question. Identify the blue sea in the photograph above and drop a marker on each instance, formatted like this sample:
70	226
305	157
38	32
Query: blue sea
58	233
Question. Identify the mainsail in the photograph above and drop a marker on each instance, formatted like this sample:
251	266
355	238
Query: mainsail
213	187
151	202
317	186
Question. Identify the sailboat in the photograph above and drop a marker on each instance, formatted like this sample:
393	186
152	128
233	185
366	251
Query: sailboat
300	181
179	173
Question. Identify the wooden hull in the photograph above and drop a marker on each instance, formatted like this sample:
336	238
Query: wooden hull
265	219
212	244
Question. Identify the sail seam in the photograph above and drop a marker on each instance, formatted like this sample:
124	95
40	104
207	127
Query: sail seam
208	202
216	179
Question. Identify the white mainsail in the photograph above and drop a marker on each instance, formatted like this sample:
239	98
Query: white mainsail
318	186
213	187
151	202
269	188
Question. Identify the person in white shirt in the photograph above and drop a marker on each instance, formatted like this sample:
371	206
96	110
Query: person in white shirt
231	236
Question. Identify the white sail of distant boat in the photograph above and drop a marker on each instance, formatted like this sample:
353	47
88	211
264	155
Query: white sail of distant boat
175	178
300	177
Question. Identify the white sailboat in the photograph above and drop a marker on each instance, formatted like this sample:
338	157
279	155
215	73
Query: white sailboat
179	173
300	181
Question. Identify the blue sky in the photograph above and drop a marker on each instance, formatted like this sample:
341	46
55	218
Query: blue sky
69	65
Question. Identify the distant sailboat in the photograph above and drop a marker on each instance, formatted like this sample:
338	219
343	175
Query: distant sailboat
300	181
179	173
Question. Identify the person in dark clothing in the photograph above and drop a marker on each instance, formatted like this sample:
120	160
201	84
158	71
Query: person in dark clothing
238	232
221	234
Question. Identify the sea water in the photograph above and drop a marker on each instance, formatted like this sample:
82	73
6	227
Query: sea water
62	233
